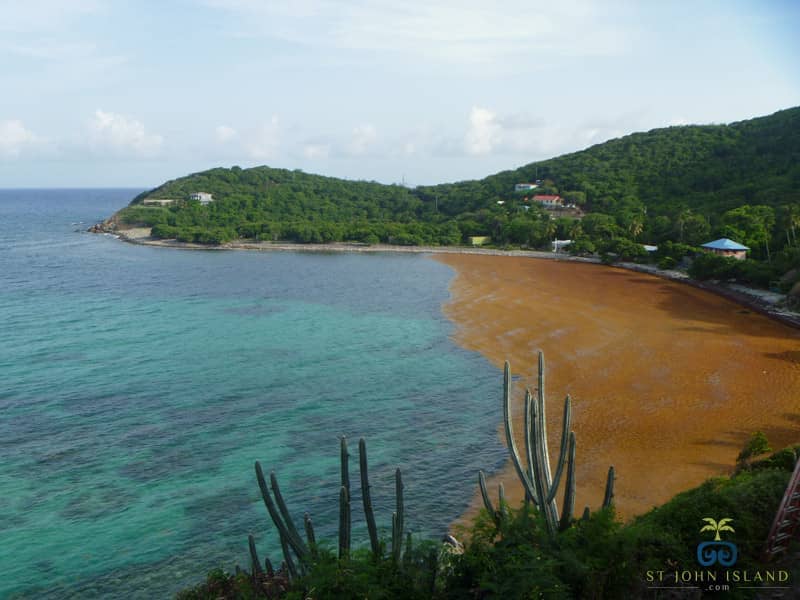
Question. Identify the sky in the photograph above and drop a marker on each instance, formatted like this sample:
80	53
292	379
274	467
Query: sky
113	93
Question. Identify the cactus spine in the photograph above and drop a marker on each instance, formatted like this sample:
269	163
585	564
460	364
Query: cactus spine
540	483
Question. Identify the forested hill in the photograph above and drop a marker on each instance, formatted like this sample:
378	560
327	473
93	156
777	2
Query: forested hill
706	168
682	184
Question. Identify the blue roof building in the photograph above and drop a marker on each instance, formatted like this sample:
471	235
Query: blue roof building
727	247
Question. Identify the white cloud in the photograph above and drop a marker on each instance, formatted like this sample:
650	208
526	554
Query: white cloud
122	135
533	138
484	131
263	143
313	151
469	32
15	139
363	138
225	134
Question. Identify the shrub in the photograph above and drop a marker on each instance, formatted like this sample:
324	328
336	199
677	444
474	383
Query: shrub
756	445
143	216
674	250
712	266
162	231
667	262
754	272
362	576
581	247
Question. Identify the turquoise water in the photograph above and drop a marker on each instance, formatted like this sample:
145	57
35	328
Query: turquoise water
140	384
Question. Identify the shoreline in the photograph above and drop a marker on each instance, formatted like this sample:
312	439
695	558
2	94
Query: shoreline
765	303
757	301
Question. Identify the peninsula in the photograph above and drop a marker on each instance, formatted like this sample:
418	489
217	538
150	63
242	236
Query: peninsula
655	196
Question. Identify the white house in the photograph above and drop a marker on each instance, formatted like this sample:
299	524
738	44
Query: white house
549	200
559	245
525	187
202	197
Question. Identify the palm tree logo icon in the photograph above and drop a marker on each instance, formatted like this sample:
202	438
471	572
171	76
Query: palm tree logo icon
717	526
717	551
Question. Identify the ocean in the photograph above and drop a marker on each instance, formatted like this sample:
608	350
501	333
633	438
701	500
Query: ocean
138	385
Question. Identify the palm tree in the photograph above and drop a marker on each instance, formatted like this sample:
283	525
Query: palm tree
716	527
681	219
636	226
549	227
792	220
575	230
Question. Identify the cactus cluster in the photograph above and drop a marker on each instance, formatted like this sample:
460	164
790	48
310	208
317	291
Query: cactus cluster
298	553
540	483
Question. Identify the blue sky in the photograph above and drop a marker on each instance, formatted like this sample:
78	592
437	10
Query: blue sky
119	93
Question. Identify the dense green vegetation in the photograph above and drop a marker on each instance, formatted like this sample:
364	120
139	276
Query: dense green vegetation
598	557
684	185
275	204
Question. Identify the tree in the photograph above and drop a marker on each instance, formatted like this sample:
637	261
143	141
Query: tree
749	225
756	445
696	229
520	231
581	247
600	226
791	221
575	197
575	230
635	226
659	228
680	221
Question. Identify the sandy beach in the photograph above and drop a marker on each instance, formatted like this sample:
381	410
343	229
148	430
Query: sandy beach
667	381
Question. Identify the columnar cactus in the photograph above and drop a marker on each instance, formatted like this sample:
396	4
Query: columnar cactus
397	517
366	496
540	484
293	544
344	503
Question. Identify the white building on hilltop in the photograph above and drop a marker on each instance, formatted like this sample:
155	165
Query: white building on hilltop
202	197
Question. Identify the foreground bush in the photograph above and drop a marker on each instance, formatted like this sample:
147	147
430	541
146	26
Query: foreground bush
598	557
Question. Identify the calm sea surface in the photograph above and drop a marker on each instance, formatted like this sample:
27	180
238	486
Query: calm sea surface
138	385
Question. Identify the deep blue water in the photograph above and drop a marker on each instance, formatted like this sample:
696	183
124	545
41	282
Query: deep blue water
138	385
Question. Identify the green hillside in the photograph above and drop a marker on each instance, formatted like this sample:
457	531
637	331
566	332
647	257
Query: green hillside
685	185
708	168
